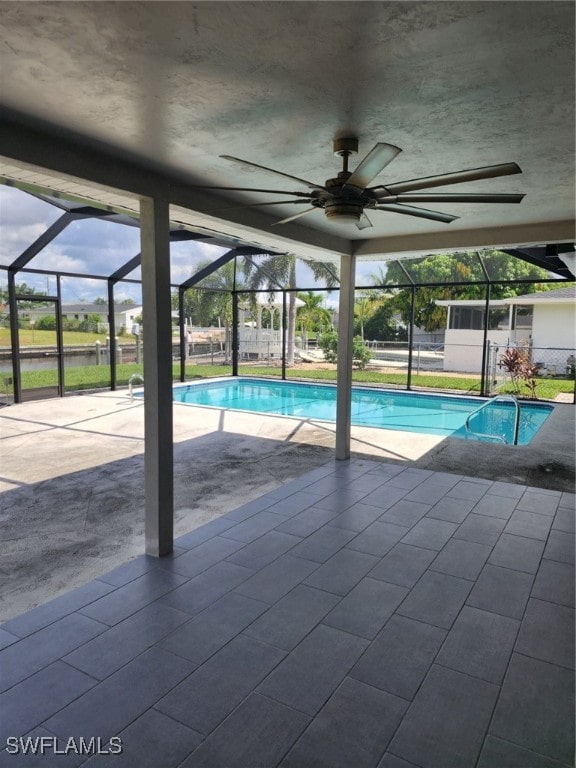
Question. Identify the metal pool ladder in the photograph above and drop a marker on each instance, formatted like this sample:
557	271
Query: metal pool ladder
131	380
505	398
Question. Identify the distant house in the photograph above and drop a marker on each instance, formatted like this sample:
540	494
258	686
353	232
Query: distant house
546	321
124	314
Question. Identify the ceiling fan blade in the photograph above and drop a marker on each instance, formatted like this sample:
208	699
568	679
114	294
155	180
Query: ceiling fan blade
442	197
254	189
375	161
364	222
487	172
296	216
256	205
271	170
421	213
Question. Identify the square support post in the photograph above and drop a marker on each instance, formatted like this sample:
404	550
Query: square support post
344	365
157	323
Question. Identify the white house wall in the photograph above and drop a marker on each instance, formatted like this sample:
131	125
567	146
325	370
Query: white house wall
553	334
554	326
463	348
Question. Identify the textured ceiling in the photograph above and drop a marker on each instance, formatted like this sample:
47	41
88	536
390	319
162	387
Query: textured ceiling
172	86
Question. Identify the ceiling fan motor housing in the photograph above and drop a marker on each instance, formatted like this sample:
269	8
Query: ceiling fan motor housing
344	210
343	205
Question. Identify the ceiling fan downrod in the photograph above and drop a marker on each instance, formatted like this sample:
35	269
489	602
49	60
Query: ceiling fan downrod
343	207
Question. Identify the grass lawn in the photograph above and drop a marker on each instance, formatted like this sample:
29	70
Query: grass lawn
98	377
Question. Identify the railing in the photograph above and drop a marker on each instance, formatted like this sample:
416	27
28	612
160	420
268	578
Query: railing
501	438
131	380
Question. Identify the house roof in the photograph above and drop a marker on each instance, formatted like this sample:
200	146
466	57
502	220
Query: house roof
565	295
98	308
471	303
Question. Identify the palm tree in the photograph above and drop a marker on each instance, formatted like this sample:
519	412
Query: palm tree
212	299
278	272
312	316
364	307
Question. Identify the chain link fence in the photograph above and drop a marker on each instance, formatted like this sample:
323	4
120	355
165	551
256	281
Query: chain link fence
543	366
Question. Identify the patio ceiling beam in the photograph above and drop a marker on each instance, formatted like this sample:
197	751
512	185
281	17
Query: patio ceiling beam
547	257
66	152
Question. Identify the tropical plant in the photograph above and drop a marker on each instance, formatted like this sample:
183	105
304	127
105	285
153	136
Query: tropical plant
517	363
364	305
312	316
211	301
278	272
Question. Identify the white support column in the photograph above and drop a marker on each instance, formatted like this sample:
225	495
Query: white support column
345	341
157	321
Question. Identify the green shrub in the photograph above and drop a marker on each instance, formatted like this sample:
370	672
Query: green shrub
46	323
328	343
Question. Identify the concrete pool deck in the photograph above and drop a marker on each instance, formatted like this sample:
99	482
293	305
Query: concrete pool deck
71	504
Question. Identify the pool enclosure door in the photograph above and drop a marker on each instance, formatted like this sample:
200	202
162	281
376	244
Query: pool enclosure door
39	350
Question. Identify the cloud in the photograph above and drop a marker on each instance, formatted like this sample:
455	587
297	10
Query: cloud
24	218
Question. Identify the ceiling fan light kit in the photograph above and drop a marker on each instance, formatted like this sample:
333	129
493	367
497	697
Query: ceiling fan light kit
347	197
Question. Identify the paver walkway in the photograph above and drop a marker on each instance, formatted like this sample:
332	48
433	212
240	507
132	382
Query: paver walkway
365	614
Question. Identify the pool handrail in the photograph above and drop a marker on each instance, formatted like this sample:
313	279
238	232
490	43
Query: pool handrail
131	381
506	398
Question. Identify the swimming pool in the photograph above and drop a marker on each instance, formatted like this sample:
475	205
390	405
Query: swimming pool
443	415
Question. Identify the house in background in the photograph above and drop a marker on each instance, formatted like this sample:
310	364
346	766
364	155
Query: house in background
124	314
545	321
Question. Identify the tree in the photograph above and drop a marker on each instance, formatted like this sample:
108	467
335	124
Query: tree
364	306
381	326
24	289
313	316
276	272
450	271
212	302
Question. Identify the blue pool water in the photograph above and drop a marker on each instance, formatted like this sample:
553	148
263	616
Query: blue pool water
386	409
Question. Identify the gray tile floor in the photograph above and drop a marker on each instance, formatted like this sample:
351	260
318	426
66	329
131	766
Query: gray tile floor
362	615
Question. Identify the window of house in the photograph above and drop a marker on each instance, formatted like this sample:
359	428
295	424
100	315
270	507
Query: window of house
467	318
522	319
498	319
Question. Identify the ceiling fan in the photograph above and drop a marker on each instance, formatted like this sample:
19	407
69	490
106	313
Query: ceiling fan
347	197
